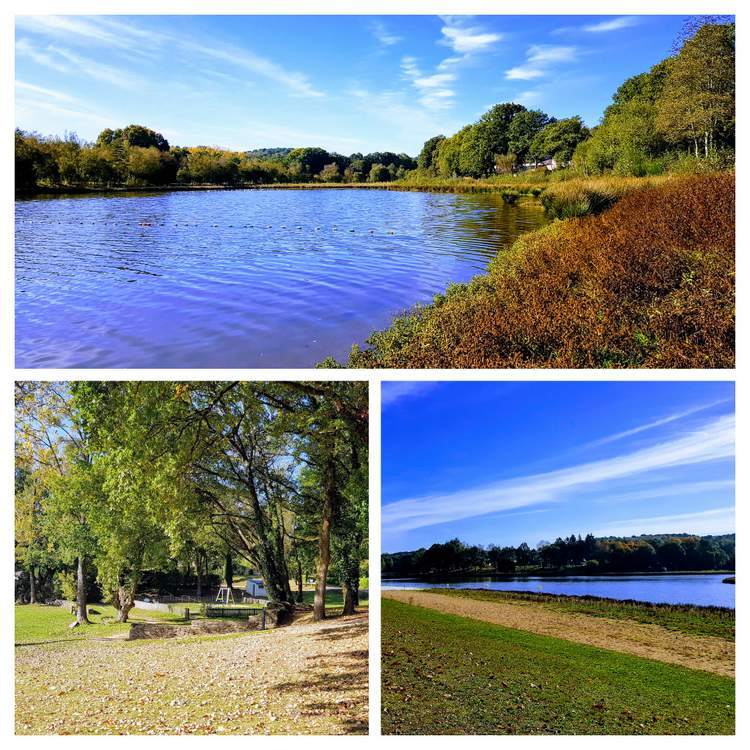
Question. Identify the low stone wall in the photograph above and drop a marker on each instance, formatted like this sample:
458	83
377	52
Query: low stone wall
142	630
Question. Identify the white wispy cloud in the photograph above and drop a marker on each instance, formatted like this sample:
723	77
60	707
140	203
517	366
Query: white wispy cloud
294	81
713	440
99	30
655	423
25	106
63	60
408	121
714	521
383	35
434	90
26	48
136	40
613	24
464	39
42	91
540	60
393	391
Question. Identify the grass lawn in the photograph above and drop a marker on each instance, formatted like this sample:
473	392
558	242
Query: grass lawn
334	599
444	674
716	621
37	622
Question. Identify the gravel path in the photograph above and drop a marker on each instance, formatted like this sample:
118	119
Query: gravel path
706	653
303	679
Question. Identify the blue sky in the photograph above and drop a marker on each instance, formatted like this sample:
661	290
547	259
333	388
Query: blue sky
347	83
503	463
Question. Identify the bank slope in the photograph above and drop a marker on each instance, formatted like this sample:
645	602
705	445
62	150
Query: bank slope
647	283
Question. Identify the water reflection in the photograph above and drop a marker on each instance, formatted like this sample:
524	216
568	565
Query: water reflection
700	589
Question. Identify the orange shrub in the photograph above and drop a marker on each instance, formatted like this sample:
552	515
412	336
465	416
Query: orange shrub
648	283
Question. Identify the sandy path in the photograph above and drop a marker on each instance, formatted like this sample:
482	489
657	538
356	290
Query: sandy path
640	639
308	678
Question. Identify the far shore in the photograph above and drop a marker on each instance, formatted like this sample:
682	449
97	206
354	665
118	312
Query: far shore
540	573
457	186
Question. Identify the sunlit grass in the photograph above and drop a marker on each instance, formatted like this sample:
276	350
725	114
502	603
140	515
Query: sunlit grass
443	674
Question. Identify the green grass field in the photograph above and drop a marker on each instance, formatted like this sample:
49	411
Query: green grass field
444	674
36	623
715	621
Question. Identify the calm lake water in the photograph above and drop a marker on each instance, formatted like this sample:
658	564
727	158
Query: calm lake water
668	589
255	278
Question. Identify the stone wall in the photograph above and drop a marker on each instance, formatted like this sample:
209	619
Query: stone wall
140	630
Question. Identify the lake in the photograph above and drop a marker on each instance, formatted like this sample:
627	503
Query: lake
686	588
245	278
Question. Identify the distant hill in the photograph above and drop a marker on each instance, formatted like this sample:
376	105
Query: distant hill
268	153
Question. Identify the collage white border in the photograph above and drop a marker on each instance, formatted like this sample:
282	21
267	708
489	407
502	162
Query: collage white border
8	373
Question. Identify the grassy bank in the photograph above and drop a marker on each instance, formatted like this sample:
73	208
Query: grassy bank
38	622
648	283
458	185
715	621
444	674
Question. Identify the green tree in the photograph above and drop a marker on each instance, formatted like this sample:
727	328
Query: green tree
426	158
696	104
521	131
559	139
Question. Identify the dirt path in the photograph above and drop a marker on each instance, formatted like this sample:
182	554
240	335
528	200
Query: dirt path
640	639
308	678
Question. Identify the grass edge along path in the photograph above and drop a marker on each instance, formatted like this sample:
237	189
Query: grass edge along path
706	653
444	674
693	620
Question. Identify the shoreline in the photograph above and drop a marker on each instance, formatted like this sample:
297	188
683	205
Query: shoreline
476	186
563	573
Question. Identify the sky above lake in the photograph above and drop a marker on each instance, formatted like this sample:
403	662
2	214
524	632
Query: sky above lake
346	83
504	463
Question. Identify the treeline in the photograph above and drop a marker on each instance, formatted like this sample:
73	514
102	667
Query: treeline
678	116
683	109
645	553
137	156
126	486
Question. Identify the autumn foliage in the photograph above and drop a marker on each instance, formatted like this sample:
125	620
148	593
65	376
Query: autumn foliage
647	283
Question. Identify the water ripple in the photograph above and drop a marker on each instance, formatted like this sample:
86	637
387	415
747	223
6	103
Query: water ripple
241	278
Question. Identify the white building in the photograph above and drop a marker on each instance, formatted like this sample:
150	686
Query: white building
255	588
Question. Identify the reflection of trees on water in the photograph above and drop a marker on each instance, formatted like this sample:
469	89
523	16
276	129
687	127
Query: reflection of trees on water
480	223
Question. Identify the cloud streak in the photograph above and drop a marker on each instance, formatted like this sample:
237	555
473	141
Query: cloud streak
464	39
146	42
656	423
540	58
392	391
614	24
434	90
381	33
712	441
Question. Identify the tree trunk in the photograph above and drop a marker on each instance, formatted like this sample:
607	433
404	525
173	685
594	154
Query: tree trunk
324	543
32	586
348	593
300	582
125	601
198	575
228	571
81	614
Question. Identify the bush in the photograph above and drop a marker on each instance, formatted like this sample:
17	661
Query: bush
649	283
